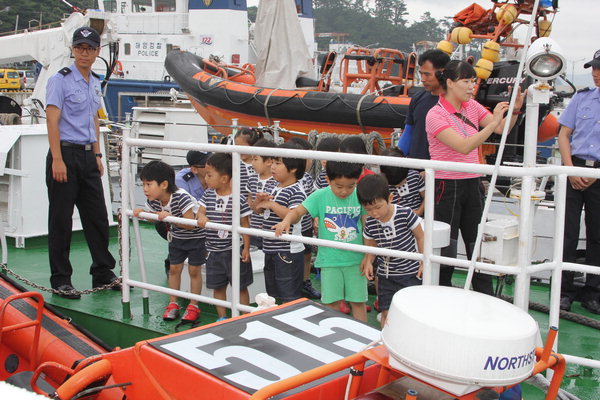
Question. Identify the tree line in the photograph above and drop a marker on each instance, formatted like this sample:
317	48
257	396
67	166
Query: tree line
379	23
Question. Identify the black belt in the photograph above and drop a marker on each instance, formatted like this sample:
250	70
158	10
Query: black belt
86	147
580	162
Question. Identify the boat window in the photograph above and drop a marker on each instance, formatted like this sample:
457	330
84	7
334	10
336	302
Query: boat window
110	5
165	5
127	49
141	5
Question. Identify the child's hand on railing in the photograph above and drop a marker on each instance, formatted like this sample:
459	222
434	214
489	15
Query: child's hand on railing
202	220
282	227
137	211
163	214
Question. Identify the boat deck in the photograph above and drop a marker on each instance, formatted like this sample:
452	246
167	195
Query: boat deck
102	313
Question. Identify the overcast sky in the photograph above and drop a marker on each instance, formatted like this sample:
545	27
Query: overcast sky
576	27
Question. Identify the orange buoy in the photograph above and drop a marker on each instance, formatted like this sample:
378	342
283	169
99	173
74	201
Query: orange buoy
461	35
544	28
484	68
445	46
507	14
491	51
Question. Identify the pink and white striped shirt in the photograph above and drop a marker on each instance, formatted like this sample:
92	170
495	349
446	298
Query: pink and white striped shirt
440	117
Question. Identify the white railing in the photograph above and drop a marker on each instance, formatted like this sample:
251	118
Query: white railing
524	271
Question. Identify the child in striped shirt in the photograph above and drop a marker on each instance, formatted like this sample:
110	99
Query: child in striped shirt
284	261
393	227
216	206
406	185
185	241
260	181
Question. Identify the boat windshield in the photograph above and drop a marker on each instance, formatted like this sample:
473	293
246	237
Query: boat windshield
141	6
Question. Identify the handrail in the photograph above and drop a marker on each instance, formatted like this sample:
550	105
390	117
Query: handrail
429	166
37	322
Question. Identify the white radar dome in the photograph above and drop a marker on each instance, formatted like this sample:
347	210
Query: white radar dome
459	340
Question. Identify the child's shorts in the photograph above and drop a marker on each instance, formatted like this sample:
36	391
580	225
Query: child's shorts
387	288
192	249
343	283
218	270
284	274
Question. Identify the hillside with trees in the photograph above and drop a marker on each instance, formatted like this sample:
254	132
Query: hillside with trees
379	23
32	12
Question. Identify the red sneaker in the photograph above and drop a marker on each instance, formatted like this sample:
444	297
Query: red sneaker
376	305
344	307
171	312
192	313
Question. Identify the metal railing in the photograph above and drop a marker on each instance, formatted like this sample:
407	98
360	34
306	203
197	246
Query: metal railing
524	270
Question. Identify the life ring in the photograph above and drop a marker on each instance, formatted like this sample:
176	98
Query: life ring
118	68
83	378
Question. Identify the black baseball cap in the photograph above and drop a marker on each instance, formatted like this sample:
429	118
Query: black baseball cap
595	62
86	35
198	158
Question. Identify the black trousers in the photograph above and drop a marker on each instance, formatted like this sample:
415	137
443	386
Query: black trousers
84	190
576	201
459	203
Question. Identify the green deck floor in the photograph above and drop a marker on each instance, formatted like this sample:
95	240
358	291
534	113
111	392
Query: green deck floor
102	313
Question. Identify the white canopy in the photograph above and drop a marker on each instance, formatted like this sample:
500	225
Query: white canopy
282	52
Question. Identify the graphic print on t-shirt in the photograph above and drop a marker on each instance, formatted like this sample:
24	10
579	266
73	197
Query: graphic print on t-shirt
343	221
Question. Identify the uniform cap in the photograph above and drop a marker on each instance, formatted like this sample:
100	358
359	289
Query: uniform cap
595	62
86	35
197	158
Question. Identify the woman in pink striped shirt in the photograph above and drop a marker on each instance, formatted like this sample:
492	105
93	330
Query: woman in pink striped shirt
456	127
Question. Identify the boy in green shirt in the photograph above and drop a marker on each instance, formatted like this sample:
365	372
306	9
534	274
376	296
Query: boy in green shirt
340	219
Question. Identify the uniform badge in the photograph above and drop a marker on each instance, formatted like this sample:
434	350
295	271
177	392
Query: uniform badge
207	3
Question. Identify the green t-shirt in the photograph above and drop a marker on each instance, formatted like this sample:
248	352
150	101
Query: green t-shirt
339	220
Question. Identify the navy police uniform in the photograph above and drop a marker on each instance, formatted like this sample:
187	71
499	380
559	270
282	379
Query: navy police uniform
187	180
583	117
79	101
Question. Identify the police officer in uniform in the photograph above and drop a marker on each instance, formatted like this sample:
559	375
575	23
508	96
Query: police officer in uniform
74	166
579	144
192	179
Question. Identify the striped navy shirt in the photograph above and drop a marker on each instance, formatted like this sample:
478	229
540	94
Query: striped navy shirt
245	171
219	210
321	180
409	193
257	185
395	234
179	203
291	197
308	184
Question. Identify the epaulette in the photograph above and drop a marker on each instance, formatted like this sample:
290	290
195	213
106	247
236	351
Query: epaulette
65	71
587	89
188	176
95	74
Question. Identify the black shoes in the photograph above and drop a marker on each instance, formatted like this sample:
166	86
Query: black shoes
309	291
565	304
592	306
101	282
67	292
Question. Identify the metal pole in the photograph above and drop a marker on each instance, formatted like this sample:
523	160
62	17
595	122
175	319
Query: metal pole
138	244
559	229
124	171
526	208
276	131
235	234
430	276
